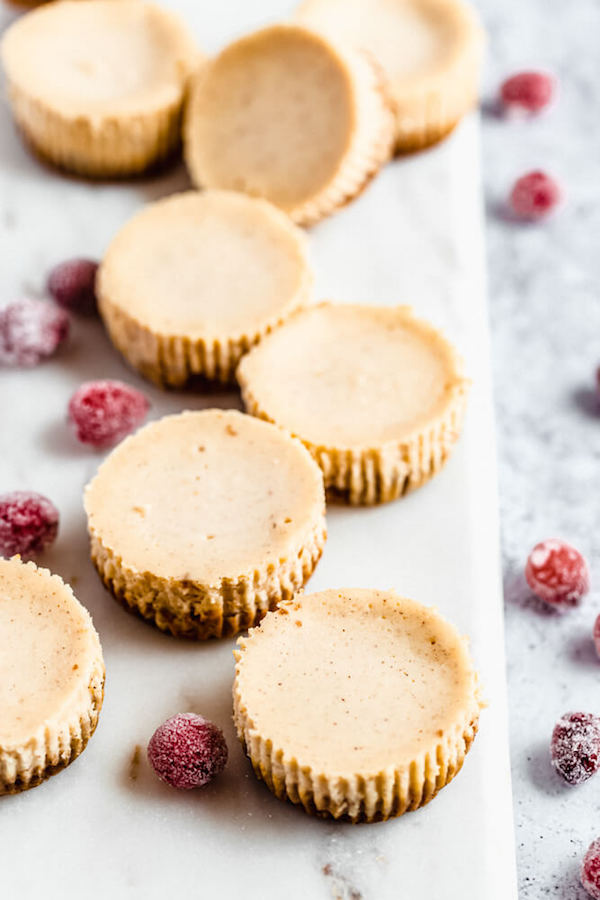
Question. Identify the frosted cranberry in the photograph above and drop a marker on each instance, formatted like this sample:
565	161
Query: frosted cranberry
28	523
590	870
534	196
596	634
187	751
30	331
575	746
73	284
557	573
527	91
103	412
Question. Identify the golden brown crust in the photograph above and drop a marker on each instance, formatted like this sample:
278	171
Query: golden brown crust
304	759
429	104
372	474
105	142
117	148
368	148
356	800
359	174
171	359
367	476
197	611
52	751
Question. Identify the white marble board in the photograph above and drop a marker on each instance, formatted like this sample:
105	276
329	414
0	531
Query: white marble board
415	236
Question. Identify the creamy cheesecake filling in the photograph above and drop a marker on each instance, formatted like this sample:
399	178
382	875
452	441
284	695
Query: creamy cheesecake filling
212	265
353	681
410	39
352	376
98	56
205	496
273	116
48	650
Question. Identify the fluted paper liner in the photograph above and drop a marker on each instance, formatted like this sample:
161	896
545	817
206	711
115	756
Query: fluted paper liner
369	148
369	796
372	474
430	105
170	360
56	743
109	145
229	595
200	611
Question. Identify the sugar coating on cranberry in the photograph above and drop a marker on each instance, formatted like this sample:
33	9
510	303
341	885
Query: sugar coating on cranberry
30	331
73	285
596	634
557	573
575	746
527	91
104	412
187	751
590	870
534	196
28	523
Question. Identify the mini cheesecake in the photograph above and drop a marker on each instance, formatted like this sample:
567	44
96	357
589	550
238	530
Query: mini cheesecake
431	51
97	88
376	395
287	115
51	675
203	521
355	704
191	282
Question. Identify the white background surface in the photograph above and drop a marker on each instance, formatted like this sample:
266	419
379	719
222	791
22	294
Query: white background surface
413	237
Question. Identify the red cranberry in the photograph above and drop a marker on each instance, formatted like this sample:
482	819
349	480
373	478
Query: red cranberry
30	331
73	285
527	91
28	523
597	635
187	751
575	746
590	870
557	573
104	412
534	196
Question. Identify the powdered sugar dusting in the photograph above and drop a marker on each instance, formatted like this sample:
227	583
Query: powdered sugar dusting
104	412
30	331
28	523
575	746
590	870
557	573
187	751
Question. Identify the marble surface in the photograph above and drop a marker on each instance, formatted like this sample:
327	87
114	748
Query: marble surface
545	315
107	822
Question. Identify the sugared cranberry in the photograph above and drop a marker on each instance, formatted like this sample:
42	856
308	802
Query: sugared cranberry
596	633
527	91
73	284
28	523
590	870
103	412
557	573
534	196
187	751
575	746
30	331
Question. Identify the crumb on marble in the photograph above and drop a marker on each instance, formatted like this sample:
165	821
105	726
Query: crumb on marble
134	762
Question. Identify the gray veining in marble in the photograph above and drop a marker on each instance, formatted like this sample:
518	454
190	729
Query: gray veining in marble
545	309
